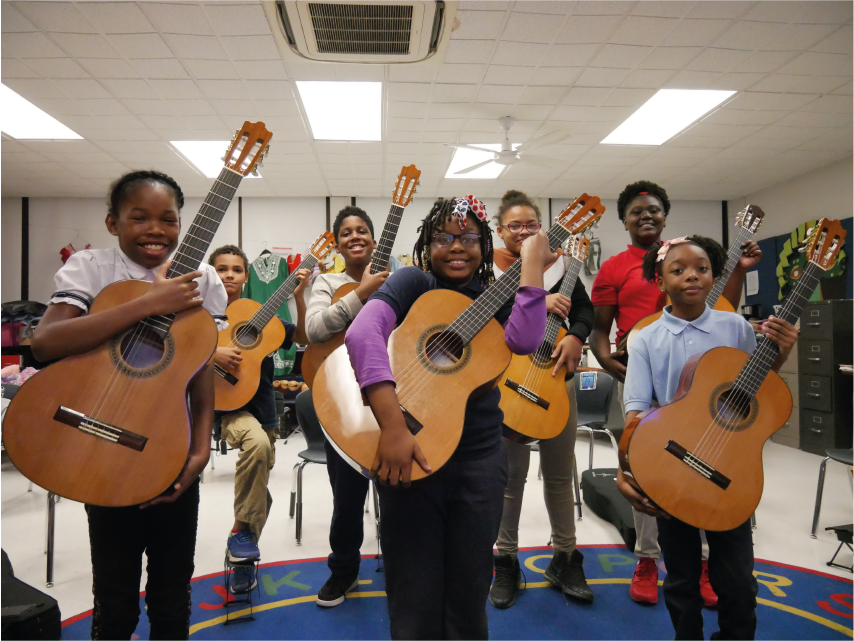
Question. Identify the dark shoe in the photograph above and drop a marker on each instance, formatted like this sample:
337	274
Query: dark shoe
508	576
335	590
243	580
567	573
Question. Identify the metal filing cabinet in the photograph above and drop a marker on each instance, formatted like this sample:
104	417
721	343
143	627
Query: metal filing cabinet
824	393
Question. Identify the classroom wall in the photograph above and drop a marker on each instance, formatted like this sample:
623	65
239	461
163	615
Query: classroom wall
10	249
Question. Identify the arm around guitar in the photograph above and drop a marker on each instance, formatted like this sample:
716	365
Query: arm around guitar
625	482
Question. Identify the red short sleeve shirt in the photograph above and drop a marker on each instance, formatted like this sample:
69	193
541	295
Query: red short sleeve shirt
620	282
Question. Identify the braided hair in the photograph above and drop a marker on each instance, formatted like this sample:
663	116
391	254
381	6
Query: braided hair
651	267
514	198
639	188
441	213
121	189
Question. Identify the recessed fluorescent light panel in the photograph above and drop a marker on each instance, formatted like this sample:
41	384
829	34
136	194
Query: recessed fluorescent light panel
664	115
22	120
343	110
469	157
205	155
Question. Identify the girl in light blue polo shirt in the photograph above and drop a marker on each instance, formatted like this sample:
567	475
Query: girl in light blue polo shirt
686	268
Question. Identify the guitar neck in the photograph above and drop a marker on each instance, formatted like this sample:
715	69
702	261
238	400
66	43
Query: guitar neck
759	364
479	313
567	285
733	256
284	291
379	262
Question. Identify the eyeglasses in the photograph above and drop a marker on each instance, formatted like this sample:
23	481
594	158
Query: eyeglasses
517	227
446	240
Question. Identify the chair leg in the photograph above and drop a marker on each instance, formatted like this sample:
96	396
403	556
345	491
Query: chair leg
613	443
30	487
51	523
299	501
376	508
821	472
540	471
753	521
576	486
293	490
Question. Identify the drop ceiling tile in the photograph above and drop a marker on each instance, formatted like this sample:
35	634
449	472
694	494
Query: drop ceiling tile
542	95
744	117
210	69
669	57
405	124
81	45
479	25
277	108
55	16
449	110
519	53
838	42
692	80
160	122
824	64
830	104
13	21
826	12
560	76
469	51
30	45
176	89
169	68
131	134
600	8
620	56
736	81
499	94
837	143
623	97
116	17
407	109
177	18
588	29
106	122
662	9
775	11
108	68
800	36
844	90
813	119
240	19
79	88
262	70
598	77
647	79
639	30
58	107
408	73
721	60
13	68
103	106
445	124
508	74
408	91
223	89
725	10
779	82
190	107
788	133
570	55
586	97
268	89
251	47
468	74
695	32
191	46
765	61
531	27
140	45
204	122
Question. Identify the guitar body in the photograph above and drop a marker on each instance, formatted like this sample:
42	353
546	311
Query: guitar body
526	420
147	397
689	421
723	305
434	392
235	391
316	353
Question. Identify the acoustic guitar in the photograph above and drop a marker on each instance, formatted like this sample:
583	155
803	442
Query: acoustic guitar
699	458
747	221
252	329
112	427
448	348
404	190
535	403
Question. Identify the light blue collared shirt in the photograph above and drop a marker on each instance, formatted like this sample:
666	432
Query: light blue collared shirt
660	351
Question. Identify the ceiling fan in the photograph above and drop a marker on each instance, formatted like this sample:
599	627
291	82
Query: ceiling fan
508	155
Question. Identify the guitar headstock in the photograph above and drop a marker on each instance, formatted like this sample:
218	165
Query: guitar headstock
248	148
322	246
578	247
581	214
750	218
823	243
407	180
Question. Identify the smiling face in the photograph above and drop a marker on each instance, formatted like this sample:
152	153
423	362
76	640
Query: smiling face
355	242
645	220
518	215
686	274
232	272
147	225
457	263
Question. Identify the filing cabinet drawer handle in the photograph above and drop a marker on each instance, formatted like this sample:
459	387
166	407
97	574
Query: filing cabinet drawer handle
813	324
814	360
814	395
812	429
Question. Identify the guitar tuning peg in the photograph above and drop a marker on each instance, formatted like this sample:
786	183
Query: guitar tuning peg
254	171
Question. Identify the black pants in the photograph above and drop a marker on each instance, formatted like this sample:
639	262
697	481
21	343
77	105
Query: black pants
730	573
437	539
349	491
118	537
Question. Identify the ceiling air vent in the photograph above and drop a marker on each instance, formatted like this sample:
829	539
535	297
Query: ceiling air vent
372	32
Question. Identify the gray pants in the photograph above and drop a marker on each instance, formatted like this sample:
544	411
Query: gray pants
556	458
646	527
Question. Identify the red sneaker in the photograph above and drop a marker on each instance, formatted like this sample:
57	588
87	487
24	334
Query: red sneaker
710	599
645	582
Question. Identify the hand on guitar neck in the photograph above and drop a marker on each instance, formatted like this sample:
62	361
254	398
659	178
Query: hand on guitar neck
535	254
370	283
600	343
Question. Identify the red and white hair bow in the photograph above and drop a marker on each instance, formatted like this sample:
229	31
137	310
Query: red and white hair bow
666	245
462	206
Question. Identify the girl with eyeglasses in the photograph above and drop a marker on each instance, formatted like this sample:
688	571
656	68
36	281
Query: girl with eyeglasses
437	534
518	220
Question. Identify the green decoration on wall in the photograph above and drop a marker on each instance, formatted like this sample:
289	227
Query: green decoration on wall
793	262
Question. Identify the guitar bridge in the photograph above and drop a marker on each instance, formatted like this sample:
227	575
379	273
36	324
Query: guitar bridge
223	373
525	393
697	464
100	429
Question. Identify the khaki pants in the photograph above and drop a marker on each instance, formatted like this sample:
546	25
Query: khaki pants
556	457
252	500
646	527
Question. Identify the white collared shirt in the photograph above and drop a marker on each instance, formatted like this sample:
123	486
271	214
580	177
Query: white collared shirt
87	272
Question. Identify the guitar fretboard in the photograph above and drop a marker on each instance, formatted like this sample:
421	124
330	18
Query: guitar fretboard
379	262
554	322
260	318
733	256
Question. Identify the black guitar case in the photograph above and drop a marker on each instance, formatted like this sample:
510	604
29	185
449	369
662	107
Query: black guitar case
599	489
27	613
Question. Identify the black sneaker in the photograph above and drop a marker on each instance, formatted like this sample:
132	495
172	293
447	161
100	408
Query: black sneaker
508	575
566	572
335	589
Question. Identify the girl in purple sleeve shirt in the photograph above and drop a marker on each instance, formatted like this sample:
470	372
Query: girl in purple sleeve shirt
437	534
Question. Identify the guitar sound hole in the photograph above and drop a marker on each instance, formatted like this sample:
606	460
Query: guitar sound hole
247	335
733	406
142	348
444	349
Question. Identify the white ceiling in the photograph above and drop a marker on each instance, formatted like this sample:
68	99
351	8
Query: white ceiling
129	76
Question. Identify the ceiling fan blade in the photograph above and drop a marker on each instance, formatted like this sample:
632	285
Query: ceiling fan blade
542	141
543	161
464	146
472	168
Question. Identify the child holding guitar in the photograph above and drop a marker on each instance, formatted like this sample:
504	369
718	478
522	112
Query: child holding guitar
144	214
354	236
685	269
251	428
518	219
438	533
620	294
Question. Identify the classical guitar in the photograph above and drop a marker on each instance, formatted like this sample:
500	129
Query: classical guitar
111	426
535	403
747	221
407	181
448	348
699	457
252	328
